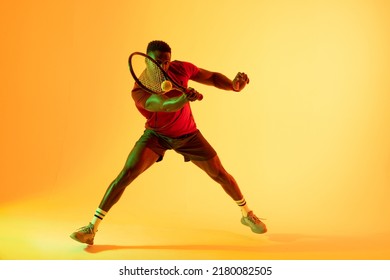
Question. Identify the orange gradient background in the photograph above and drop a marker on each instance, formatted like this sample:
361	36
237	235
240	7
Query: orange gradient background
307	140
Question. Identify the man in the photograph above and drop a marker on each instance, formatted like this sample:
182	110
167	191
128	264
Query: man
170	125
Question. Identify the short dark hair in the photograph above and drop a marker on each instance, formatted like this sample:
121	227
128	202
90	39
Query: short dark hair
158	46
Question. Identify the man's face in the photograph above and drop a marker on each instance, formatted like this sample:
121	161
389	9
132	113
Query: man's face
162	58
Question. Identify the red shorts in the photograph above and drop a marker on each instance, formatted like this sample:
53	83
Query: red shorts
192	146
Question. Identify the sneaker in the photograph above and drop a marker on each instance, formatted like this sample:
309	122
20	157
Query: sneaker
254	223
84	235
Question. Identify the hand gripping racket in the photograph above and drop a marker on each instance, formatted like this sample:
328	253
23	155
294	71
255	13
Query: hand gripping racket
150	76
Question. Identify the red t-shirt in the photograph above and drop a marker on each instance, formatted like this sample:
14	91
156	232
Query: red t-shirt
171	124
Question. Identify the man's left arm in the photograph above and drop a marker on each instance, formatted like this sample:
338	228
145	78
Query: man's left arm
220	81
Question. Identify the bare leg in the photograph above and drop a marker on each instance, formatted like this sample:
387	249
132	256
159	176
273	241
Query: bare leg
137	162
213	167
215	170
139	159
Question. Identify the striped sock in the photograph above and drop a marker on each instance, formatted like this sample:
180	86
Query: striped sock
244	207
97	218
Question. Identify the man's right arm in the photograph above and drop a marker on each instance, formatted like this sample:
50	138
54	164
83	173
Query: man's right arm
162	103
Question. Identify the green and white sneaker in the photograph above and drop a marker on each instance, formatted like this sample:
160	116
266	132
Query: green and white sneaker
84	235
254	223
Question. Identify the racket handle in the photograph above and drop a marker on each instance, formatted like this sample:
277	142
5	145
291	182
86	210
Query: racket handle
198	96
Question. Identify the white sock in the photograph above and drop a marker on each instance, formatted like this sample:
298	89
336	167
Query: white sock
97	218
244	207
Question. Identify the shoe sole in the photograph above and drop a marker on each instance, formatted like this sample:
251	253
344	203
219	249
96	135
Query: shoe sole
74	237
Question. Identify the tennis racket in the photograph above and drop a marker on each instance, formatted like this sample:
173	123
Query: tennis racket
151	77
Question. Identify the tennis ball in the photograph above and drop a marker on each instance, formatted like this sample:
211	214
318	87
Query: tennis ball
166	86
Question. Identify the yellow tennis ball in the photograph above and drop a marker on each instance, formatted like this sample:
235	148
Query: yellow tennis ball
166	86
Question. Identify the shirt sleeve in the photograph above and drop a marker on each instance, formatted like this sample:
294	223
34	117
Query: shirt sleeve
190	69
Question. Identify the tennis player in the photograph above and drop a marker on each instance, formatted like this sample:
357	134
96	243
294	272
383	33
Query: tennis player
170	126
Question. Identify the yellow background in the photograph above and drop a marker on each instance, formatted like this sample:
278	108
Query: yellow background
307	140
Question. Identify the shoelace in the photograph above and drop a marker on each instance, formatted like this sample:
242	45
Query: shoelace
86	229
254	219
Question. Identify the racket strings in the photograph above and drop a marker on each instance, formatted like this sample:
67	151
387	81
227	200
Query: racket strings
152	77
